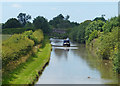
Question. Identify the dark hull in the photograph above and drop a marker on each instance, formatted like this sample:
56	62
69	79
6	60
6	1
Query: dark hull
66	45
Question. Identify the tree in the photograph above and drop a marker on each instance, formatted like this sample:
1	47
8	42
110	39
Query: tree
28	24
23	18
67	17
78	33
12	23
81	31
100	18
95	25
60	17
56	22
41	23
108	26
62	22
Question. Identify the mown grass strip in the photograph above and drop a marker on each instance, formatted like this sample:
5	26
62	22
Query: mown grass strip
26	73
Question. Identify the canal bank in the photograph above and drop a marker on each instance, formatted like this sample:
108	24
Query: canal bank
29	71
76	65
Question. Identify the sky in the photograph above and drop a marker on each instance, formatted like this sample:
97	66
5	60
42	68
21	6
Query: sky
78	11
59	0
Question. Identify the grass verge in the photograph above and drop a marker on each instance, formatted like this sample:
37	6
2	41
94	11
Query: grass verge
28	72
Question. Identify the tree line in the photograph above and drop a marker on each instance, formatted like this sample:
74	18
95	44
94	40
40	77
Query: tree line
23	21
99	34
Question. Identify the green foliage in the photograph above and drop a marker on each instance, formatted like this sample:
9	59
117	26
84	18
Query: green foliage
62	22
119	20
23	18
116	57
37	36
81	31
19	44
56	22
78	33
14	47
73	34
28	33
12	23
41	22
26	72
95	25
1	25
108	44
102	36
92	36
110	24
99	18
60	36
28	24
16	30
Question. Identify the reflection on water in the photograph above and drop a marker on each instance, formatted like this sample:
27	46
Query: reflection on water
65	48
96	63
76	65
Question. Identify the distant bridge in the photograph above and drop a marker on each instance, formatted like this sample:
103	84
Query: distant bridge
59	31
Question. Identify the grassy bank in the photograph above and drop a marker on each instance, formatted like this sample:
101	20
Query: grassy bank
28	72
18	45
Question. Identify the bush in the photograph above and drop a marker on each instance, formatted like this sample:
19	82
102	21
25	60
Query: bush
95	25
28	33
78	33
19	44
108	43
110	24
37	36
14	47
92	36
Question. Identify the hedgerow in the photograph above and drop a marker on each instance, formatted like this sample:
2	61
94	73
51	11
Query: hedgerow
37	36
19	44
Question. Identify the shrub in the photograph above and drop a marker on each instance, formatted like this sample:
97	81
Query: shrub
19	44
108	42
110	24
15	47
37	36
92	36
95	25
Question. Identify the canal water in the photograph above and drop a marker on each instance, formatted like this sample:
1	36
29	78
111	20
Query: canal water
76	65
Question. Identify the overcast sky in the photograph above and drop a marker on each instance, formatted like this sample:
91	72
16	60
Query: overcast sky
78	11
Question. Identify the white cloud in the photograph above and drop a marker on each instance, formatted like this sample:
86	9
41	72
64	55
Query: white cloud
16	5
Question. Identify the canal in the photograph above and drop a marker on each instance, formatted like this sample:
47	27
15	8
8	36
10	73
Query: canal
76	65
